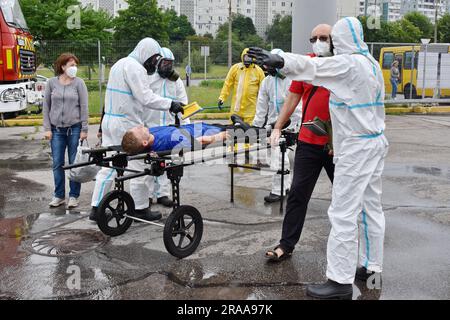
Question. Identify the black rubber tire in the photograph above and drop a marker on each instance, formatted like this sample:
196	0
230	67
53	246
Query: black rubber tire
10	115
172	229
105	213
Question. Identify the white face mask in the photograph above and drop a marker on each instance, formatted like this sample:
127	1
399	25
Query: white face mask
321	48
72	72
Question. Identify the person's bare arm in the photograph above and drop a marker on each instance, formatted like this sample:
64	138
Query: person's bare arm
221	136
291	103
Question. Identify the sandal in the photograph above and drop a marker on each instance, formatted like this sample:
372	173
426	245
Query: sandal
272	255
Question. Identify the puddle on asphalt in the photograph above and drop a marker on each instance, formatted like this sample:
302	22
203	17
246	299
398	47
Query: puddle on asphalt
191	274
23	164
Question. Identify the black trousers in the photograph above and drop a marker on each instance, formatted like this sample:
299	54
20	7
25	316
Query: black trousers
308	163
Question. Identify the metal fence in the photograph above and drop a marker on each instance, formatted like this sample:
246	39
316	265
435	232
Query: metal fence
424	71
94	53
421	66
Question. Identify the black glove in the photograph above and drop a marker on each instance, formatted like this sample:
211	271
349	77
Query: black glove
176	107
220	104
265	59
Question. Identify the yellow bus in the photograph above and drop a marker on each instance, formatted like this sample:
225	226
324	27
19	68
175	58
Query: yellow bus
437	78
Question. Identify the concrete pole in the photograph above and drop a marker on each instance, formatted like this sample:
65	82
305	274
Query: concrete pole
436	6
307	14
99	72
230	33
424	71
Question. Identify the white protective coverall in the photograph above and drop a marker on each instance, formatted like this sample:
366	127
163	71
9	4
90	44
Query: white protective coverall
160	186
128	93
272	93
356	83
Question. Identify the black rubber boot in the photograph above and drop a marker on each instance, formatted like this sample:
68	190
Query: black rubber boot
93	214
363	274
165	201
272	198
147	214
330	290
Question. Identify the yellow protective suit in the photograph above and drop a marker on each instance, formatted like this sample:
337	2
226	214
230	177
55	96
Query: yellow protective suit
245	83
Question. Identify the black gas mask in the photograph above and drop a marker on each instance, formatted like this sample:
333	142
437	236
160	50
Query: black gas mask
151	64
247	61
166	70
275	73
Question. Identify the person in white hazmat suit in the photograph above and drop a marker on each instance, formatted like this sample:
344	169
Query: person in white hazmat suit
272	93
128	96
167	84
356	83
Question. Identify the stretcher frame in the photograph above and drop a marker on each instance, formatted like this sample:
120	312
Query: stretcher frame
158	164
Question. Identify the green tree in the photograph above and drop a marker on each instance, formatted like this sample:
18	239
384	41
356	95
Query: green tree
421	22
404	31
47	21
142	19
383	34
280	32
179	26
243	36
219	48
444	28
243	26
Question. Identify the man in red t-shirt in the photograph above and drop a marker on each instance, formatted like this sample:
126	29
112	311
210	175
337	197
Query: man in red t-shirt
312	153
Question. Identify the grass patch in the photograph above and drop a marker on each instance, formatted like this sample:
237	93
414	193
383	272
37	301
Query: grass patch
206	97
94	102
215	72
218	84
83	72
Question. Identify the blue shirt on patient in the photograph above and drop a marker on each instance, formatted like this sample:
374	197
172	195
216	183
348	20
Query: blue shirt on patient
170	137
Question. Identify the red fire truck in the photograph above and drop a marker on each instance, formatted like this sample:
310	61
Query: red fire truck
18	85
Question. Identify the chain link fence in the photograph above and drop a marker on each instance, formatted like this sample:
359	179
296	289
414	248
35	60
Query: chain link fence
93	54
415	61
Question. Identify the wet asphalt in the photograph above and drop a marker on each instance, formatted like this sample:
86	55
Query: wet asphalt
229	262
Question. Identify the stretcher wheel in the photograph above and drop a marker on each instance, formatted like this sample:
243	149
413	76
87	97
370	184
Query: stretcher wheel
183	231
111	211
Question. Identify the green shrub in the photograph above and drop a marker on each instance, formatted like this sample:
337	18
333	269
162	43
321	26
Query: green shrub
92	85
218	84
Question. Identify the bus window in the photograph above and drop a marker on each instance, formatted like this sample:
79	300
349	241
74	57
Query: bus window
399	58
388	58
408	60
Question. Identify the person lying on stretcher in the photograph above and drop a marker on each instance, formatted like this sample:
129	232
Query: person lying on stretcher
165	138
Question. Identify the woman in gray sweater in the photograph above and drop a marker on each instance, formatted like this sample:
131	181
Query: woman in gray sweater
65	122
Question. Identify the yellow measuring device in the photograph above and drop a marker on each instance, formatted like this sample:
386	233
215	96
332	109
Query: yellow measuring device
191	109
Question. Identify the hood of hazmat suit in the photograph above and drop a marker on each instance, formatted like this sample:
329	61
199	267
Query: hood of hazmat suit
174	90
128	94
245	83
357	112
271	97
354	79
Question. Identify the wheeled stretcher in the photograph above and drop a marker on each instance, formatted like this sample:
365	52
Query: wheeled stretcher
183	228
